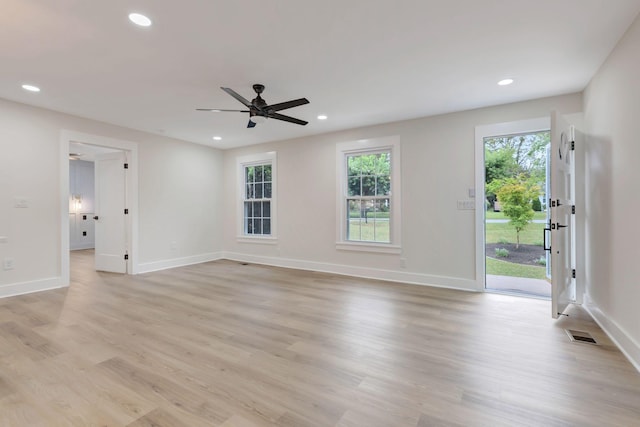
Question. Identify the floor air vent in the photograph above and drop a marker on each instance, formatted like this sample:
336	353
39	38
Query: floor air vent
580	336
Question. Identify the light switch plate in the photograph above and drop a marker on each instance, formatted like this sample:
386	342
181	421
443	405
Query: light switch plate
20	203
4	239
466	205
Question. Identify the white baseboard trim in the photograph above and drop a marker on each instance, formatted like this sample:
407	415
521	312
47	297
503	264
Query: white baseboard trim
627	345
13	289
148	267
364	272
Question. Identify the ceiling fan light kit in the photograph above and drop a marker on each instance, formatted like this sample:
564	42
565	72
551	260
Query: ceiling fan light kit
258	109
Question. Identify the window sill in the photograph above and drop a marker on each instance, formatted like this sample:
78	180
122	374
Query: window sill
267	240
382	248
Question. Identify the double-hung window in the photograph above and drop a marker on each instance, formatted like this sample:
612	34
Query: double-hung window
257	201
369	195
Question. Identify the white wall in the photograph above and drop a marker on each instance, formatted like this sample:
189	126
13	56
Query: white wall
179	185
612	114
437	170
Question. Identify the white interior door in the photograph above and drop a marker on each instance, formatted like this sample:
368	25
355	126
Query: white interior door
110	219
562	218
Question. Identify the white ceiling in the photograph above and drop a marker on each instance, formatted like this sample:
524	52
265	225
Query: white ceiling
361	62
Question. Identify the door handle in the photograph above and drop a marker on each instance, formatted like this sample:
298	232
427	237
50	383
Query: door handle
544	239
559	226
96	217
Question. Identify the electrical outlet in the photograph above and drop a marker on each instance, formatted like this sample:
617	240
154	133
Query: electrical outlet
173	246
9	264
403	263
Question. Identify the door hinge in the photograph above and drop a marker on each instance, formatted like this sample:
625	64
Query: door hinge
126	211
126	257
126	165
573	145
573	273
573	209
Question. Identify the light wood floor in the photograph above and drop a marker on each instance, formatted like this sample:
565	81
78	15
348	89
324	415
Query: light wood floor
222	344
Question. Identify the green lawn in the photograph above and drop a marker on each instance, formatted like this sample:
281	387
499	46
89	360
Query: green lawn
497	233
370	231
499	215
504	268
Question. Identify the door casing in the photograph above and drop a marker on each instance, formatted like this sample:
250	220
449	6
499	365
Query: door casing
69	136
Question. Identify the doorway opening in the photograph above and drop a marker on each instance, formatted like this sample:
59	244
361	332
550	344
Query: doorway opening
98	195
93	190
515	214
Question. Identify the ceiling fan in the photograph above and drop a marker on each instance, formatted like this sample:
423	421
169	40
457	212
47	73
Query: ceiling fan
259	110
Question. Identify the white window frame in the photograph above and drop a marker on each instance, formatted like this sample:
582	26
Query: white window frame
369	146
256	160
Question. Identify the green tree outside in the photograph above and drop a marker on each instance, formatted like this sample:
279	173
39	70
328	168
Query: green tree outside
516	196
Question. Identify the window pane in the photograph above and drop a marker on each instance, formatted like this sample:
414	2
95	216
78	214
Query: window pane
251	192
354	186
266	209
353	229
248	212
267	190
353	166
257	226
248	226
382	226
267	173
257	209
383	164
259	173
266	226
368	185
258	191
383	186
353	219
249	173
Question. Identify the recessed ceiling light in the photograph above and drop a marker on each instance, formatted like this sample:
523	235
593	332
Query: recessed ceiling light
217	138
140	19
505	82
31	88
322	117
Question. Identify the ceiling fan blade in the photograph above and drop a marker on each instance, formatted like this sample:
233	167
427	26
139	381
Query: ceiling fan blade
287	119
285	105
237	96
219	110
251	124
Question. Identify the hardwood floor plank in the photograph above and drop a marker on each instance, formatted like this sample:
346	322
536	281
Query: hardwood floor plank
161	417
225	345
165	390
